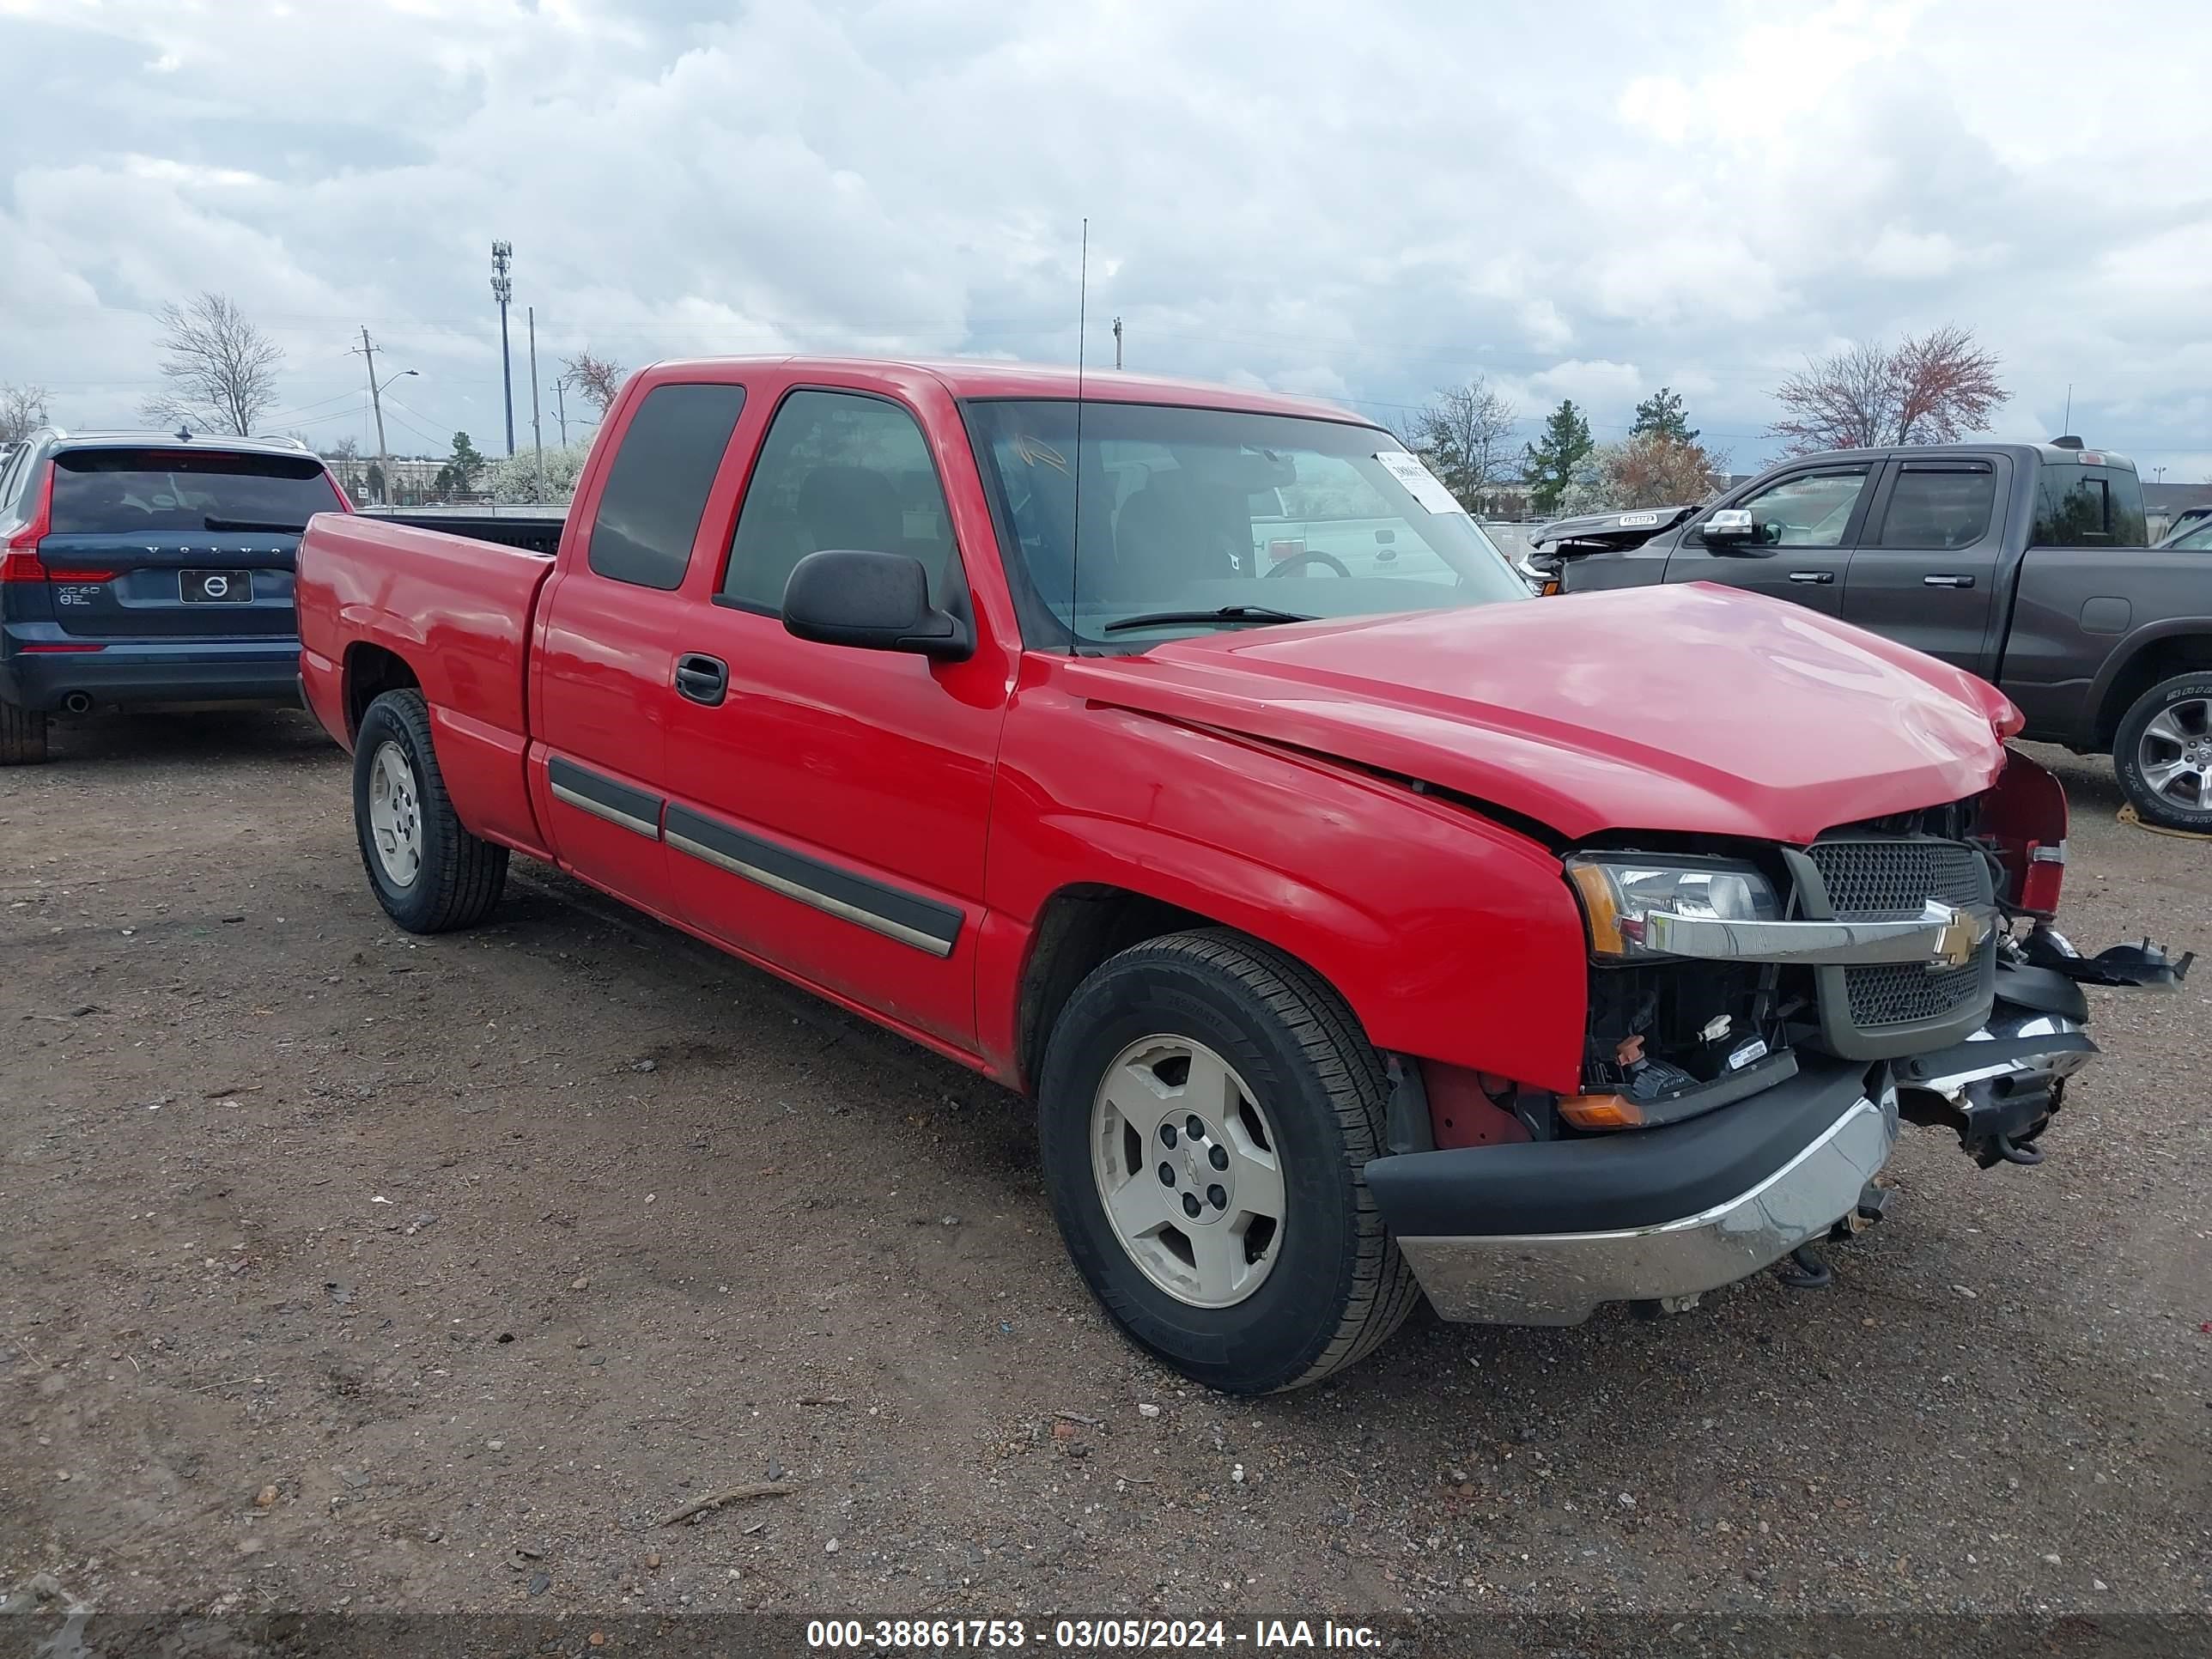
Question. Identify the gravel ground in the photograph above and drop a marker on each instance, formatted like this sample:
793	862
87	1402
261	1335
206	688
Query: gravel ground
347	1270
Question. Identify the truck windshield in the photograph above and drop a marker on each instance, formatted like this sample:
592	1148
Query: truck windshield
1193	519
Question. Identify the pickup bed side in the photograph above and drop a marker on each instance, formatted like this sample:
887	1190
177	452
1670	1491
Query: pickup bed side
383	605
2083	646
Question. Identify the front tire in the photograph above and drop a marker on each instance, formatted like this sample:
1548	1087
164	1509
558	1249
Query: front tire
2163	753
1246	1251
427	871
22	735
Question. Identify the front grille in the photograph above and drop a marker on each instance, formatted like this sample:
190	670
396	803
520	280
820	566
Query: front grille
1896	877
1905	994
1883	877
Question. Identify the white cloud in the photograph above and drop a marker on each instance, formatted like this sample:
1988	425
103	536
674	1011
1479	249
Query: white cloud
1365	204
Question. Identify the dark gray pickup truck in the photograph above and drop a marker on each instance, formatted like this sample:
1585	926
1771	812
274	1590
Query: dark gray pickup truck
2021	563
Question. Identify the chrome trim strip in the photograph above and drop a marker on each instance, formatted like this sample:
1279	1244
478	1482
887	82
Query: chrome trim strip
820	901
1936	936
1561	1278
599	808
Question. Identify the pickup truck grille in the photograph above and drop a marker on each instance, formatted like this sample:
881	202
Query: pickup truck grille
1870	876
1878	877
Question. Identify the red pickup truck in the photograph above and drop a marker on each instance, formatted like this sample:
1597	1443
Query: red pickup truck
1186	759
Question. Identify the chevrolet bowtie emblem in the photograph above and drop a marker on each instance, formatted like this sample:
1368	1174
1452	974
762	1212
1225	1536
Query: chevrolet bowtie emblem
1956	941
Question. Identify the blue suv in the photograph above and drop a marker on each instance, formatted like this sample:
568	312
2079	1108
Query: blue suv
148	567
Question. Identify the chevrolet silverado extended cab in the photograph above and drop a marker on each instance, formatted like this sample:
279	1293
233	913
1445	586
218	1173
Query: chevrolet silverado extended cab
1359	927
2023	562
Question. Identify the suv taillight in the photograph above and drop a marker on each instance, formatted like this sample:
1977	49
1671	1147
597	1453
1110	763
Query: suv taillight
19	561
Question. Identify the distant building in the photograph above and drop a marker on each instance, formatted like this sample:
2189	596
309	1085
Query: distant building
414	478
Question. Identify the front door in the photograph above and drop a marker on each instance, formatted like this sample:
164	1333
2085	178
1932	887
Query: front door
1924	572
828	805
1807	522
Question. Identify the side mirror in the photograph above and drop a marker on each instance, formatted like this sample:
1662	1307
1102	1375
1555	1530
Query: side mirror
872	601
1735	532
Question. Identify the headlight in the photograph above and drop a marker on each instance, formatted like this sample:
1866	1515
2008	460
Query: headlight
1619	890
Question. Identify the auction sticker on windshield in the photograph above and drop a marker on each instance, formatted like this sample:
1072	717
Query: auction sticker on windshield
1423	485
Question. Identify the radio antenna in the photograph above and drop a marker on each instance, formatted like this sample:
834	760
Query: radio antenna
1075	527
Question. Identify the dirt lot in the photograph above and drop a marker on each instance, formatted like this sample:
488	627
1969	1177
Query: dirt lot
346	1269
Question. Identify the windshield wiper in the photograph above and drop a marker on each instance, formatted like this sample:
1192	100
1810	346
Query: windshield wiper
269	525
1227	613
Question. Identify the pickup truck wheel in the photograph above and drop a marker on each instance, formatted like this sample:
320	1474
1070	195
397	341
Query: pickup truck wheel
22	735
2163	752
430	873
1207	1107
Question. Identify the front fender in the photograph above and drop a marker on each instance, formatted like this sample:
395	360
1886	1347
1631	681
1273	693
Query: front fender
1450	936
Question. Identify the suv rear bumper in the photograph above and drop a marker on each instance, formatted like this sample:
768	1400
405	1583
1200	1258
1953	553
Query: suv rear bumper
1543	1232
153	671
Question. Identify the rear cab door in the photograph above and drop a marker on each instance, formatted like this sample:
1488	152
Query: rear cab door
1812	514
1927	566
603	661
171	543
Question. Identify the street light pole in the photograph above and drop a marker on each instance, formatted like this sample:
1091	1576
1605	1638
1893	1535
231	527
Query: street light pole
537	427
502	288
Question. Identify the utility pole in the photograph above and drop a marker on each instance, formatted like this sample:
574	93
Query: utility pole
1117	342
503	289
536	430
376	403
561	407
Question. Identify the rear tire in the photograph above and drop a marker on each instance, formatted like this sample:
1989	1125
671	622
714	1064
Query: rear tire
1286	1304
427	871
22	736
2165	741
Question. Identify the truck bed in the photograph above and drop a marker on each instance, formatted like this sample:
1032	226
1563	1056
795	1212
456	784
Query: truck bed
457	611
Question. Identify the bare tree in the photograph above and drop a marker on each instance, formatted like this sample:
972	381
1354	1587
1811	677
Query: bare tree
1931	389
222	370
597	379
1465	434
22	411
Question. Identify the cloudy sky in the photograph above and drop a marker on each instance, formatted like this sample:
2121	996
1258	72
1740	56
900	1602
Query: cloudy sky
1358	200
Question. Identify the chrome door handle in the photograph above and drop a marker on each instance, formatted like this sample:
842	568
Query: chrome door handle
1818	578
1947	582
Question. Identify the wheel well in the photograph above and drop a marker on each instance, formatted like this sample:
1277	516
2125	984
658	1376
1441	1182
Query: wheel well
1079	927
2161	660
370	672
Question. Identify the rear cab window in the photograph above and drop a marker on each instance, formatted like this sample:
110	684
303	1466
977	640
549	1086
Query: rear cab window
2086	504
656	490
100	491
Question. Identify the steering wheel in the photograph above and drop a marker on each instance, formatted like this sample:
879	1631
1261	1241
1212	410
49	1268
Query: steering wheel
1310	557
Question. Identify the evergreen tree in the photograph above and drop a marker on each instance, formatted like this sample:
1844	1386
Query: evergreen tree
1549	465
1661	413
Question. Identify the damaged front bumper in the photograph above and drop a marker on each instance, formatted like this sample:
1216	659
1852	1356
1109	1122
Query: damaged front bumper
1544	1233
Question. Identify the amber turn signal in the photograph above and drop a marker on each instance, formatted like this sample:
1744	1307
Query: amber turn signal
1601	1112
1599	907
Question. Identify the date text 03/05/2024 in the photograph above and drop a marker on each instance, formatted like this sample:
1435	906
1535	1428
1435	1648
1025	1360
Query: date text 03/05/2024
1081	1635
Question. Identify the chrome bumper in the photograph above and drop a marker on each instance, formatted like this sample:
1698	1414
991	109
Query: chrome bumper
1561	1278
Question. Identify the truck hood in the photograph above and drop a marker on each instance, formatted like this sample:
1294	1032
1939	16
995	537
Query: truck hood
1692	708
